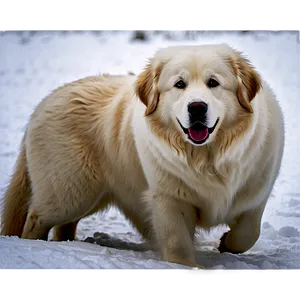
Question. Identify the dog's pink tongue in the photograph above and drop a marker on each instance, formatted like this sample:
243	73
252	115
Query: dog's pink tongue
198	135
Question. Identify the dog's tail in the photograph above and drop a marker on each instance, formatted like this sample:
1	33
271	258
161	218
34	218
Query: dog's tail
15	203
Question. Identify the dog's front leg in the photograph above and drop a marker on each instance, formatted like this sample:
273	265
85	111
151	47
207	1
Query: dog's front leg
244	232
174	226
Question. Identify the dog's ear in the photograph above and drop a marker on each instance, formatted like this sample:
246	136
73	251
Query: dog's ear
146	87
249	81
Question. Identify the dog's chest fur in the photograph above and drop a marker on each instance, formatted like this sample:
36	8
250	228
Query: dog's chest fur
210	189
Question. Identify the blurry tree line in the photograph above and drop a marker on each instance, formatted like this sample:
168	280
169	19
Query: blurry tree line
142	36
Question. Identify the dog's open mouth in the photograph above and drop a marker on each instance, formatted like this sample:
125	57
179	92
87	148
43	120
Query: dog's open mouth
198	133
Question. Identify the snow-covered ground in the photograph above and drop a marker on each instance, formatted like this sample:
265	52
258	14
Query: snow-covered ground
31	65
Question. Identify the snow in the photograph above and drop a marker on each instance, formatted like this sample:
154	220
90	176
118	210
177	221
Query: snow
31	65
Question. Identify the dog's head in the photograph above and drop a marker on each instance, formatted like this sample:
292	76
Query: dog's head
198	89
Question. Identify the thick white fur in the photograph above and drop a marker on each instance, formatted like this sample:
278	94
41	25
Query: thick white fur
89	145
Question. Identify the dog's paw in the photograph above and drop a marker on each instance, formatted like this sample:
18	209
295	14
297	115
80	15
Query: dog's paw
223	248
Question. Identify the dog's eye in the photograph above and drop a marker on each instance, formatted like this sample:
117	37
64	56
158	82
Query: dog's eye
212	83
180	84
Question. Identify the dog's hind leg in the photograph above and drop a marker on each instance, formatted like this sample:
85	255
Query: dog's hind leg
36	226
65	232
55	207
41	219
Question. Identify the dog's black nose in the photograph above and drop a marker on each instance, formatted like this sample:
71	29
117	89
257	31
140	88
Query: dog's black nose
197	109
